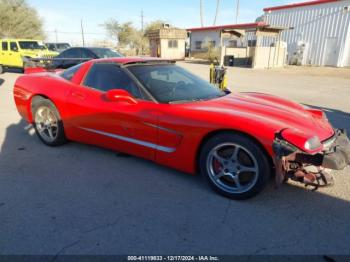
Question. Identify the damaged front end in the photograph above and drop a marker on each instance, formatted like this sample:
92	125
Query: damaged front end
312	165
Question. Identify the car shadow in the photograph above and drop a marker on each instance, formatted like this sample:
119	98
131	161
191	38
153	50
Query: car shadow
86	199
1	81
14	70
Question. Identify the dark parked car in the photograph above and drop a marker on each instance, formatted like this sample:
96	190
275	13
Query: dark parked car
77	55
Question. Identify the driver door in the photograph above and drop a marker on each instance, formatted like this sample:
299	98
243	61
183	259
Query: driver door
15	58
121	126
4	58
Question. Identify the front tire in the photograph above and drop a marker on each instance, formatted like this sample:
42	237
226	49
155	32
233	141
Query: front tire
234	165
47	122
2	69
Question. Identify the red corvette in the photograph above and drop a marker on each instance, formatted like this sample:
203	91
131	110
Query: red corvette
156	110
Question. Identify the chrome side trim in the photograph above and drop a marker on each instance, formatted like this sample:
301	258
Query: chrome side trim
162	128
131	140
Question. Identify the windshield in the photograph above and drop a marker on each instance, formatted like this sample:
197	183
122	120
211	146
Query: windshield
105	52
30	45
173	84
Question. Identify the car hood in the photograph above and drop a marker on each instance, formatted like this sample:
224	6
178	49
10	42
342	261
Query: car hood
277	113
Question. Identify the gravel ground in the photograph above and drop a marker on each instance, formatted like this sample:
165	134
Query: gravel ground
79	199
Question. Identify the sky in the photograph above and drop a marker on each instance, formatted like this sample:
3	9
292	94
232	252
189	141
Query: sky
65	15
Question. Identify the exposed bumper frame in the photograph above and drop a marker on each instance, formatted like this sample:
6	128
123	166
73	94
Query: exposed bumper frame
290	162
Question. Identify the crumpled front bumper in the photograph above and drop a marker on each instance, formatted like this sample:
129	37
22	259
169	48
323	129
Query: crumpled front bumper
293	163
338	156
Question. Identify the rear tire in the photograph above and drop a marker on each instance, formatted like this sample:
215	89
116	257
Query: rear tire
234	165
2	69
47	122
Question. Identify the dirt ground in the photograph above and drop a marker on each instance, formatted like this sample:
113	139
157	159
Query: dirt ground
79	199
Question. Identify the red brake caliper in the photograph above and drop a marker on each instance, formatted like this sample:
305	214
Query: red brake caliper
217	166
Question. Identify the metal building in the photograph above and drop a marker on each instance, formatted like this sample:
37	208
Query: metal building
319	34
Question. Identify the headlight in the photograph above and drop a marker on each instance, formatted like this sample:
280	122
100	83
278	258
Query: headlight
25	59
313	143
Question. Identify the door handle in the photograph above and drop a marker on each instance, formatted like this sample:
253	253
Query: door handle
78	95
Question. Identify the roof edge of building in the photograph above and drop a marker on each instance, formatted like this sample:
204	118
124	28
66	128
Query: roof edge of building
295	5
233	26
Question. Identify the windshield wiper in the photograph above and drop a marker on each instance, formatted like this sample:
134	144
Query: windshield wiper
186	101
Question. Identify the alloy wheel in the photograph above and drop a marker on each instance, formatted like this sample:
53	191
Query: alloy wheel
232	168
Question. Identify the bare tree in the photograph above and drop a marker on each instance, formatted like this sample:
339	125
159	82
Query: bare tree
153	25
129	36
211	51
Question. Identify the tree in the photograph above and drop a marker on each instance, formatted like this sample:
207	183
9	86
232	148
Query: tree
211	52
154	25
129	36
19	20
122	32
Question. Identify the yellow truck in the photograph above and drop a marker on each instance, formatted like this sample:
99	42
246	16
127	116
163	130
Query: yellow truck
15	53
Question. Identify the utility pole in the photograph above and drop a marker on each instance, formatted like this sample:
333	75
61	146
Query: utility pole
142	21
201	11
142	31
237	11
82	31
56	35
217	11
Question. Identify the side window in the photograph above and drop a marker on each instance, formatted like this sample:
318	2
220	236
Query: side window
105	77
13	46
198	45
5	46
86	54
51	47
251	43
172	44
69	73
71	53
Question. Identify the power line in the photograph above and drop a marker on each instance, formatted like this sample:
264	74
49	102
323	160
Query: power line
85	33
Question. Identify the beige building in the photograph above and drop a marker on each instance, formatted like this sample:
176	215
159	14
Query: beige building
240	44
168	43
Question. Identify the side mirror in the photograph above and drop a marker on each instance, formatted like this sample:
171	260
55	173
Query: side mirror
120	95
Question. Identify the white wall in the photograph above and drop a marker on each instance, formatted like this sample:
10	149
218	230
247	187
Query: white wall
202	35
346	58
173	53
313	25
